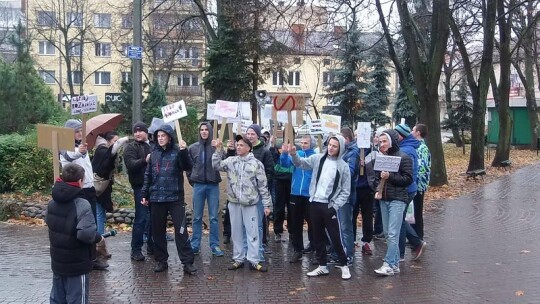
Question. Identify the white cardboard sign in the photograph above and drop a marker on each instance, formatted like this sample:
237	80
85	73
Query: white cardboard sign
386	163
282	117
331	123
226	109
363	135
174	111
316	127
210	111
83	104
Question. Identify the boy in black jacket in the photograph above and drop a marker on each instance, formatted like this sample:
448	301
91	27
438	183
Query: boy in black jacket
72	233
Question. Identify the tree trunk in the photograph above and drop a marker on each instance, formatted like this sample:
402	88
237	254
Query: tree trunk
448	99
505	121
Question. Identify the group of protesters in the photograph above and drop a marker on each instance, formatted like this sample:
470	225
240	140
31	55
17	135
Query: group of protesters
290	183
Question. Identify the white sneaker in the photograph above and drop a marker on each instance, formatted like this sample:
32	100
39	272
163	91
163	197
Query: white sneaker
345	273
385	270
319	271
395	269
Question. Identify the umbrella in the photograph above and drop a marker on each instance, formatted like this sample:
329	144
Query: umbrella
157	123
101	124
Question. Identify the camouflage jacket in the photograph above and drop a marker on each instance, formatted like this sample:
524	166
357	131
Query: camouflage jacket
246	179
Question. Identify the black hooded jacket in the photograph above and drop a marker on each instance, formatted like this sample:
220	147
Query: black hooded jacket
396	185
201	157
72	231
164	175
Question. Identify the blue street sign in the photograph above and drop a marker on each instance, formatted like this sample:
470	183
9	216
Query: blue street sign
134	52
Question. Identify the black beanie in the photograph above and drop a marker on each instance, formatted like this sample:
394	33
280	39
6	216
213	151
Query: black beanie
257	129
140	126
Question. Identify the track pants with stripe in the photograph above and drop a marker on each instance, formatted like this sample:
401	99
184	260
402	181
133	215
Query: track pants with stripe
324	219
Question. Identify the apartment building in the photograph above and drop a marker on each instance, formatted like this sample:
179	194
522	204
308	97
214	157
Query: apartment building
81	46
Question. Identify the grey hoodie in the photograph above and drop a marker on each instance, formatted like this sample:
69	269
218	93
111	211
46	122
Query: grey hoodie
201	156
337	193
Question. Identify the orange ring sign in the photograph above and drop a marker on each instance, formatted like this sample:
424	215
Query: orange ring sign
288	102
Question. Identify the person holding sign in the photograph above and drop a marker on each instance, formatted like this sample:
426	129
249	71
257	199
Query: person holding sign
163	190
392	195
205	181
80	157
246	188
329	190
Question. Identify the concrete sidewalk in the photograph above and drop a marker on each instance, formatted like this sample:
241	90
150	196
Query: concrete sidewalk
482	248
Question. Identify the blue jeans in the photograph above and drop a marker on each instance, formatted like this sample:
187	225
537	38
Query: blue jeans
101	216
142	216
210	193
392	217
345	225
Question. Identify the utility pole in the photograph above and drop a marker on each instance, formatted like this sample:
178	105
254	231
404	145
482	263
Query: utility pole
136	64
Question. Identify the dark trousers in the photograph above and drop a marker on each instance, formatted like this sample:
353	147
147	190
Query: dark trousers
282	202
364	205
324	219
89	194
407	232
299	213
227	221
377	226
418	225
142	220
158	213
73	289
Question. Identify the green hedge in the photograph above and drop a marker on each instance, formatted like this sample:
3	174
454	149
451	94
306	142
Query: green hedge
23	166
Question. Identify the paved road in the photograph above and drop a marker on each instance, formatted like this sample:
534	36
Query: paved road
483	248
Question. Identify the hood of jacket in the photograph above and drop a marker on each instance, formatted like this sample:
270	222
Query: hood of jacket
210	132
167	129
410	141
63	192
394	137
342	146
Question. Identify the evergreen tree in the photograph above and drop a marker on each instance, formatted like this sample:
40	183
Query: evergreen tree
228	74
153	103
460	116
124	106
348	89
24	98
376	98
403	109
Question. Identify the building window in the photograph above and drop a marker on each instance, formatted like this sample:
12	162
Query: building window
326	62
161	78
102	77
46	48
75	48
277	78
124	51
328	78
187	53
103	49
75	19
47	76
102	20
127	21
161	51
76	77
188	80
294	79
126	76
46	18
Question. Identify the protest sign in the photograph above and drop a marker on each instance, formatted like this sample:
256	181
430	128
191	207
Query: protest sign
83	104
210	111
363	135
315	127
331	123
226	109
386	163
174	111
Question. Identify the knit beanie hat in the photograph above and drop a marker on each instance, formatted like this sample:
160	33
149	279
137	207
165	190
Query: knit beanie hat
256	128
74	124
140	126
403	130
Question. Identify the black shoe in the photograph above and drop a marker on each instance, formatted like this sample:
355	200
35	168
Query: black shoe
149	251
226	239
189	269
100	265
161	266
307	250
137	256
296	257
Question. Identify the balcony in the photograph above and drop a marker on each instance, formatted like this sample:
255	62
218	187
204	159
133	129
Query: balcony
175	90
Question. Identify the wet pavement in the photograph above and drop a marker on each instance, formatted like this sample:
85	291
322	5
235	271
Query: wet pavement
482	247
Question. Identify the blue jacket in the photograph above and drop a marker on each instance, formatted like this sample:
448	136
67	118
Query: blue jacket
409	145
352	158
164	176
301	178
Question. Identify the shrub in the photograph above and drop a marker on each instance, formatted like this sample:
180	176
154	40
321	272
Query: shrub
9	209
23	166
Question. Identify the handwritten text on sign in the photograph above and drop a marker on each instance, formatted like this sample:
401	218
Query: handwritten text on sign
363	135
226	109
387	163
83	104
174	111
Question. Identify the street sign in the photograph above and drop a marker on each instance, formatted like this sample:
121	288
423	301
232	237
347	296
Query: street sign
134	52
